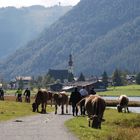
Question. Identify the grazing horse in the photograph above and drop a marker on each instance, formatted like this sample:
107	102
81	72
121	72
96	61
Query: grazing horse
41	98
50	97
123	103
61	99
95	107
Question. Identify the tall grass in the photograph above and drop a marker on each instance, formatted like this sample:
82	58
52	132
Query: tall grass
118	126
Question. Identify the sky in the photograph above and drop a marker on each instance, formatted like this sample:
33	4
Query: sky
46	3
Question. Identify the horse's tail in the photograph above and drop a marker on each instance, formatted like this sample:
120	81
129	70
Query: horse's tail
78	104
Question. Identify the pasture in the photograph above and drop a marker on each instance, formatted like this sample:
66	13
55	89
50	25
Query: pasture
10	109
118	126
130	90
12	92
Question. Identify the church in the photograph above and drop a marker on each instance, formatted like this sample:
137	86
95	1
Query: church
64	75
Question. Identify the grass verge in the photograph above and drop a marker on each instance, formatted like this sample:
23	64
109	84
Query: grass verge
118	126
11	109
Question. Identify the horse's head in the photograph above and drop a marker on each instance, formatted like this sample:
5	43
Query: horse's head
119	108
34	107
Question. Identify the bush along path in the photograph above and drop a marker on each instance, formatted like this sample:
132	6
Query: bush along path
39	127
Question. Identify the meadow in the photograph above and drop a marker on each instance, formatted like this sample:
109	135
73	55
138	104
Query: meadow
10	109
117	126
129	90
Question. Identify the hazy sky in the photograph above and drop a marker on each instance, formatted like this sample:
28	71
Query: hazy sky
20	3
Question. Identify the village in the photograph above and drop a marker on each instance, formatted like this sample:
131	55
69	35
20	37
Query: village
64	79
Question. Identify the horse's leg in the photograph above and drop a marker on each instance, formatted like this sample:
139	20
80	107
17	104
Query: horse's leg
42	106
51	102
37	108
89	122
45	107
55	108
127	109
76	108
62	107
66	107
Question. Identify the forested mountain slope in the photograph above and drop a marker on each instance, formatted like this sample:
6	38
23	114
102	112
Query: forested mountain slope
100	34
20	25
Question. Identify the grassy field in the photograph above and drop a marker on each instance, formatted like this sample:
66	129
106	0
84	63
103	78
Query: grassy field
118	126
12	109
12	92
130	90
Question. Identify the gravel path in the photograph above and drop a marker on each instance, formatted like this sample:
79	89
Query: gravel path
39	127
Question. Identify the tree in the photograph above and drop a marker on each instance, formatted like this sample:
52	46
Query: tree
117	80
39	81
138	78
47	79
32	83
81	77
105	79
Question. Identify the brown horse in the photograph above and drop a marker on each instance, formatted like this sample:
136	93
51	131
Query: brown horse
41	98
95	107
61	99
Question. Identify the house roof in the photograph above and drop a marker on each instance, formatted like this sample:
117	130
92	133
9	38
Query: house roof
81	83
59	74
28	78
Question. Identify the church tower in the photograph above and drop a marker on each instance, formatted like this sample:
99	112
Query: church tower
70	64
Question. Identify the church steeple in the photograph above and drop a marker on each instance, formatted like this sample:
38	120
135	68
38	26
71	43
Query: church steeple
70	64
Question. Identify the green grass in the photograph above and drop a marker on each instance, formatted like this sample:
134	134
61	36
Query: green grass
33	92
118	126
130	90
12	109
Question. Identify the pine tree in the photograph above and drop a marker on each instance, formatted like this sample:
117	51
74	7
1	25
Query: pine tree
81	77
117	80
105	78
39	81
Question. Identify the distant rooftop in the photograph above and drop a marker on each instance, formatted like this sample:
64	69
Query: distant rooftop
28	78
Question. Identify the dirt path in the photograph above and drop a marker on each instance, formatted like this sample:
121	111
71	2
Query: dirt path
39	127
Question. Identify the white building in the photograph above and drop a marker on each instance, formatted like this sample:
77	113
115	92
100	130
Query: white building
23	81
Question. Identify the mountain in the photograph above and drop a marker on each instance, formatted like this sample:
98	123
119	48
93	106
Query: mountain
18	26
101	35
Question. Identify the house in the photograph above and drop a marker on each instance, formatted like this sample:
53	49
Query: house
22	82
131	79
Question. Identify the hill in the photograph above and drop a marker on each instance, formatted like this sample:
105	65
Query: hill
101	35
18	26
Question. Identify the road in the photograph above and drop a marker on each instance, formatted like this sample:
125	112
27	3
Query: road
38	127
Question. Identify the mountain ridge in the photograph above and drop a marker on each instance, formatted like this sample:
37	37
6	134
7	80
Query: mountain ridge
97	33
